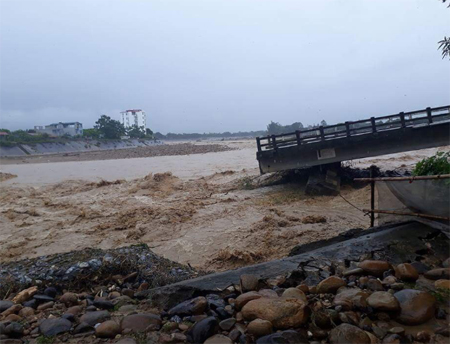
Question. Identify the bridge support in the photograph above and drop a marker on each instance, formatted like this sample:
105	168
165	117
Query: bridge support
324	180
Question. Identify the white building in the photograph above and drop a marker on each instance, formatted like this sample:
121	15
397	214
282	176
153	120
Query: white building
130	118
60	129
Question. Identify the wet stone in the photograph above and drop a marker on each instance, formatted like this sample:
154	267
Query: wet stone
284	337
202	330
416	306
92	318
190	307
348	334
249	283
227	324
437	274
53	327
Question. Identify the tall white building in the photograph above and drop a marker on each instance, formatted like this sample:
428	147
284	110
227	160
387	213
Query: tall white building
130	118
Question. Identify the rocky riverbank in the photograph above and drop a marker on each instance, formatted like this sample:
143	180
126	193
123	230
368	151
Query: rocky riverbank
369	301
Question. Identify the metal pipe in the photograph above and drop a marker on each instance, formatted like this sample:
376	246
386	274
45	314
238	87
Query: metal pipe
410	179
392	212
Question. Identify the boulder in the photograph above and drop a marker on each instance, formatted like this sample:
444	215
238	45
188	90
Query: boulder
259	327
190	307
294	293
442	284
348	334
375	285
243	299
218	339
406	272
351	298
5	304
69	299
141	322
202	330
330	285
249	283
416	306
107	329
227	324
92	318
436	274
282	313
25	295
383	301
375	267
53	327
284	337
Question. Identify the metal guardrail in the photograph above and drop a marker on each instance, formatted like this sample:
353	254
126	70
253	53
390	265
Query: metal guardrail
349	129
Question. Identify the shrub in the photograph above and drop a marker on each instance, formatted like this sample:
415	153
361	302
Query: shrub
436	164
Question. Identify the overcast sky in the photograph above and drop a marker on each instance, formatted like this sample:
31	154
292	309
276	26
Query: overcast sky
219	65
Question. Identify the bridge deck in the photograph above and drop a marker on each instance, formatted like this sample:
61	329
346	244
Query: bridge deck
401	132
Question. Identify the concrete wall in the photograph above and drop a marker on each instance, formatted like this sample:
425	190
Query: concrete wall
73	147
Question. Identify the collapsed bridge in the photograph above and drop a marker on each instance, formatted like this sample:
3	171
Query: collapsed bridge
375	136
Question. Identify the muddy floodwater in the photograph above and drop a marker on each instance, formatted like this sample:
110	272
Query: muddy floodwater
210	210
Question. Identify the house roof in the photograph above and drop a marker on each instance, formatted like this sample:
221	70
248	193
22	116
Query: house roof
3	133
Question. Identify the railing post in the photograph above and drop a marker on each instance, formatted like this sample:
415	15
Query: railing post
372	196
430	119
322	134
374	127
274	142
297	135
402	119
258	143
347	128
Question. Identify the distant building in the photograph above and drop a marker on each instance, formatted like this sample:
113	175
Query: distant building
61	129
132	118
3	135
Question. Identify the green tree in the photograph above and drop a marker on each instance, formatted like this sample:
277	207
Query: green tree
136	132
444	45
92	133
109	128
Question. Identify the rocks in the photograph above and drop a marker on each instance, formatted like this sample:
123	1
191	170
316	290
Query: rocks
5	304
14	330
25	295
406	272
141	322
351	298
26	312
53	327
383	301
446	263
107	329
218	339
375	267
442	284
69	299
284	337
282	313
92	318
436	274
202	330
416	306
348	334
103	304
243	299
190	307
375	285
330	285
259	327
249	283
294	293
45	306
227	324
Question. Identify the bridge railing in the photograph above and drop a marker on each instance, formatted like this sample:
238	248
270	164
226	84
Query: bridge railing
349	129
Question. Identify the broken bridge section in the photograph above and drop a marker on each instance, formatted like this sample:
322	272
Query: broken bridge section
375	136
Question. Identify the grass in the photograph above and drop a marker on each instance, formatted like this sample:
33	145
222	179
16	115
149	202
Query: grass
45	340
